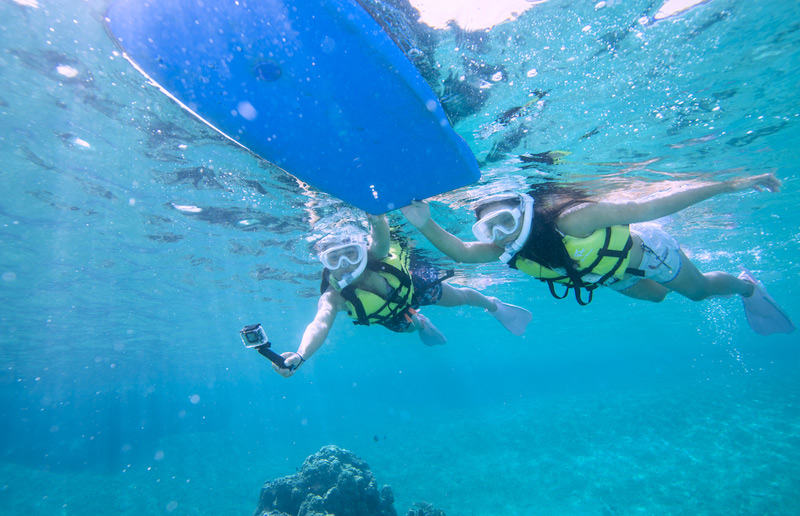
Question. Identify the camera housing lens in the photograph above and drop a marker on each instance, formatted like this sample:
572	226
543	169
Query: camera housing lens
253	335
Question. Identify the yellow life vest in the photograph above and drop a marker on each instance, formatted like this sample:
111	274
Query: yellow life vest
369	308
604	253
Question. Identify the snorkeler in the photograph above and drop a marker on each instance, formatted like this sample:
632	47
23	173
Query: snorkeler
372	279
559	235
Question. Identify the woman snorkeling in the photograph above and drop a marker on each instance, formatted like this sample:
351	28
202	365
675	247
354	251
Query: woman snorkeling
375	281
561	236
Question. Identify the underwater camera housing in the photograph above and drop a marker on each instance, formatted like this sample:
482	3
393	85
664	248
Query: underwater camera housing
255	337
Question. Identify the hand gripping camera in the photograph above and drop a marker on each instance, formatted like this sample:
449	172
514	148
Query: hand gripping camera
254	336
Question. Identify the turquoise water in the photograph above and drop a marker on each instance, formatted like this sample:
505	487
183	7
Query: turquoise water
134	243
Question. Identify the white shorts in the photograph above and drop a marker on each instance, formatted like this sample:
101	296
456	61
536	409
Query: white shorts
661	261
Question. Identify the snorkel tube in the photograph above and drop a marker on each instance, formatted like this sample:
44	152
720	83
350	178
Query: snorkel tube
526	204
351	277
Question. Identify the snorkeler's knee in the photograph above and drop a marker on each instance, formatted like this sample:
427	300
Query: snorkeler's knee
696	294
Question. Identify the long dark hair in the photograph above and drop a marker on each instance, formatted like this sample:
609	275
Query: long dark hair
544	244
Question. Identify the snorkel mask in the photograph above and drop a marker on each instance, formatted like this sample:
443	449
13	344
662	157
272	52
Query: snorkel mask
344	255
499	223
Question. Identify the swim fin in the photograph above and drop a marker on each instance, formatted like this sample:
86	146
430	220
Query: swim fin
514	318
429	334
546	158
763	313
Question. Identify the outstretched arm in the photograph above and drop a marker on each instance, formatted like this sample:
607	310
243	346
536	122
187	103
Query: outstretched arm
379	238
327	307
583	219
419	215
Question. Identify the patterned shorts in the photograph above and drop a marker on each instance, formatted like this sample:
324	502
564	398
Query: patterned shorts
427	287
427	291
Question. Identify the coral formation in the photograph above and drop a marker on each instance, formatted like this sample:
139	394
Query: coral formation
332	482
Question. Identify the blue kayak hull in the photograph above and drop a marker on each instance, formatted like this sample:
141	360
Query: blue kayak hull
315	87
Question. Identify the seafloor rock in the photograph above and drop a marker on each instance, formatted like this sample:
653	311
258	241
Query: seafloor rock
332	482
424	509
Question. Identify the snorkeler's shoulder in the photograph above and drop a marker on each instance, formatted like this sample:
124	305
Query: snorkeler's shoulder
584	219
579	220
332	298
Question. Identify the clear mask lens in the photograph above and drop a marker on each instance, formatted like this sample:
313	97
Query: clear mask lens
342	256
497	225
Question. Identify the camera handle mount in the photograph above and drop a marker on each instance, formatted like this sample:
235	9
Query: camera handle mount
264	350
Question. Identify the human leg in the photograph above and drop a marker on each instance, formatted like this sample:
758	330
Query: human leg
514	318
696	285
664	263
459	296
646	290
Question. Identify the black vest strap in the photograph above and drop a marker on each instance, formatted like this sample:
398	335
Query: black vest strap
326	281
575	278
604	252
378	266
552	285
402	304
619	255
577	283
349	294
